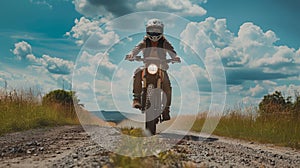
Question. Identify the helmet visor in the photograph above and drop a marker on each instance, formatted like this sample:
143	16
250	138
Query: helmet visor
154	29
153	34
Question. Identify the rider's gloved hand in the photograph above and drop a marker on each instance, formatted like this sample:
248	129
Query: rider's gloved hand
129	57
176	59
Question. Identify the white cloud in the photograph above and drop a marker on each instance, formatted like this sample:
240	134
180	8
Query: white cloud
232	57
108	38
5	76
84	86
247	100
32	77
32	58
262	88
103	87
57	65
193	38
203	35
91	79
250	34
83	30
236	89
22	49
54	65
270	83
251	55
257	90
110	9
283	57
42	2
257	49
197	75
88	9
105	62
183	8
88	64
251	48
63	81
297	58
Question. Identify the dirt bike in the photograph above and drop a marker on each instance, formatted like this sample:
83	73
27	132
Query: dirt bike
153	98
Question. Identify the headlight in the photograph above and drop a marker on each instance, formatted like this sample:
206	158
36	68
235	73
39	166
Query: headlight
152	69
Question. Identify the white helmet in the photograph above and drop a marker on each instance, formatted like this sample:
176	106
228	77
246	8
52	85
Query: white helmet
154	29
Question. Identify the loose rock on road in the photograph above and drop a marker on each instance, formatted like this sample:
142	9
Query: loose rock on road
71	146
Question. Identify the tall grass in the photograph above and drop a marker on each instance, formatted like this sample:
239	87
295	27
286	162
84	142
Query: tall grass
22	110
279	129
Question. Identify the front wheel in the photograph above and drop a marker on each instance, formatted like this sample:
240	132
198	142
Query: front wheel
151	125
150	116
155	103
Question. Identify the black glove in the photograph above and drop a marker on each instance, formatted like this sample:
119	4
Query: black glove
129	57
176	59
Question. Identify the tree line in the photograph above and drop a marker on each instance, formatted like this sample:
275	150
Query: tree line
278	105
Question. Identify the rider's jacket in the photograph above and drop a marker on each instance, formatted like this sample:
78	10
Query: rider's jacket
155	49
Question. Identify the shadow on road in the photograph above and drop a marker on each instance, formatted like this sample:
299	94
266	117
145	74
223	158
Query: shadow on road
187	137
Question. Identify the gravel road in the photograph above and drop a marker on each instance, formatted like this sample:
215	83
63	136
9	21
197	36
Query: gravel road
71	146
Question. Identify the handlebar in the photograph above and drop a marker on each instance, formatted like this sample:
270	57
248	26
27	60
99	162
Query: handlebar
140	59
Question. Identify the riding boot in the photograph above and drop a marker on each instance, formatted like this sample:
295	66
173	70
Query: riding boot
136	101
168	91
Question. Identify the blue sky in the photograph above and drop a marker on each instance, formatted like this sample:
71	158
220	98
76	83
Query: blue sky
256	41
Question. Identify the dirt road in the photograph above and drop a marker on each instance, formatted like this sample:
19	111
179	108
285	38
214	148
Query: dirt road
71	146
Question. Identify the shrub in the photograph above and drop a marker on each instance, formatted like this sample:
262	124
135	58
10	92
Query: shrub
62	99
276	104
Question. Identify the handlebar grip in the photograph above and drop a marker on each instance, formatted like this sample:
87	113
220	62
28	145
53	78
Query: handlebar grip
133	57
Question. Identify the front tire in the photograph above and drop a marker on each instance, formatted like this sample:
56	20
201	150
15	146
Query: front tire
150	119
151	125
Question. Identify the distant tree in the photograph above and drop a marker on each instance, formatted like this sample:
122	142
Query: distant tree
275	103
66	100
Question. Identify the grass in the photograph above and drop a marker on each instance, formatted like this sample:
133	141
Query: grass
157	159
163	159
22	110
278	129
131	131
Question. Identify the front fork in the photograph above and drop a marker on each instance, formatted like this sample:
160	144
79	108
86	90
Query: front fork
157	88
144	91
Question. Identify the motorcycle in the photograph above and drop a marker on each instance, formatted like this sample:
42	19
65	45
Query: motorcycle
153	98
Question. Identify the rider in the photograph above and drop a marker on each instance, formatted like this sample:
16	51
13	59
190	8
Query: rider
154	44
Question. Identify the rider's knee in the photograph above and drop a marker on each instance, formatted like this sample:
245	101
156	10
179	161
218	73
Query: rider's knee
138	71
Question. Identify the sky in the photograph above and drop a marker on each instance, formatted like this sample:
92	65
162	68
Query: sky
233	52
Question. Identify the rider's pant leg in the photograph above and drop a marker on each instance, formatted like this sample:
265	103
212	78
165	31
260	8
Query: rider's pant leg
137	84
166	87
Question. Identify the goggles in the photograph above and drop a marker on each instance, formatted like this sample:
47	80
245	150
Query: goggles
153	34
